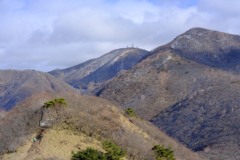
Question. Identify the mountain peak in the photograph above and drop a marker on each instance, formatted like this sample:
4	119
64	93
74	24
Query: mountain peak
212	48
198	30
199	39
89	75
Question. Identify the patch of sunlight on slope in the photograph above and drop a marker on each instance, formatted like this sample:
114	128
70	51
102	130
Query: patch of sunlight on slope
55	143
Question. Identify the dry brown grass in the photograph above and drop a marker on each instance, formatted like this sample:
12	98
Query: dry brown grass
88	118
56	143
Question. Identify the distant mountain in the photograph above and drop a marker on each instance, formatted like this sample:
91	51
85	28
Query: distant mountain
190	89
16	86
91	74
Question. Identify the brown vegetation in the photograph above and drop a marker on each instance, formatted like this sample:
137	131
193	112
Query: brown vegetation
90	116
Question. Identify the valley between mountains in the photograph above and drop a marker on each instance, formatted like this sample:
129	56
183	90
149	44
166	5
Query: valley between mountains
184	95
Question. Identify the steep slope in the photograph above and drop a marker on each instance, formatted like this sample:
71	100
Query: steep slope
15	86
84	122
189	90
91	74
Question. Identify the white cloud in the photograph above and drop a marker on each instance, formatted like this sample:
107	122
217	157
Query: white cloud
221	15
45	35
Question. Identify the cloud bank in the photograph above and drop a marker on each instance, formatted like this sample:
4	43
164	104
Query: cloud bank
45	35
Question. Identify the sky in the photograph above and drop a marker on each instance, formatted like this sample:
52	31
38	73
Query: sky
55	34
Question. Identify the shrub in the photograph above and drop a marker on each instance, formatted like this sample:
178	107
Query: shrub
49	104
55	102
114	152
130	112
163	153
60	101
89	154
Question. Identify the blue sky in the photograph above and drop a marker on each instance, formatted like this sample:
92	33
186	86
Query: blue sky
49	34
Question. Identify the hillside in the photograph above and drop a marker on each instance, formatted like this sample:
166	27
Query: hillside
15	86
89	75
189	88
84	122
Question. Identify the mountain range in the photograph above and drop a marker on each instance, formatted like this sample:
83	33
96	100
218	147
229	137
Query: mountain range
188	88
